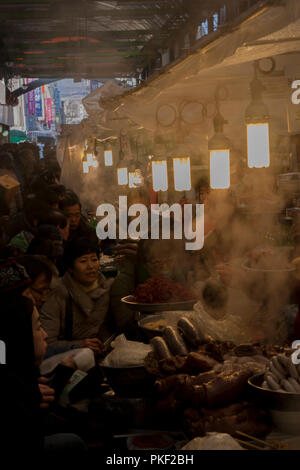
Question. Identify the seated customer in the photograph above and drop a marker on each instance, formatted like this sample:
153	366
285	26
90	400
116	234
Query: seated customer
79	226
76	313
21	397
60	221
39	270
48	242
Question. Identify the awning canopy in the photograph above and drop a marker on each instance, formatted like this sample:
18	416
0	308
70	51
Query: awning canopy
85	38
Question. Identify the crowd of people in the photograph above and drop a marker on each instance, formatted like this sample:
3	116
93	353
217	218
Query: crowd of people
53	297
55	300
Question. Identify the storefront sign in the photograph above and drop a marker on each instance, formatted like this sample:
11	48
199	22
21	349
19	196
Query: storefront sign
30	99
49	110
38	103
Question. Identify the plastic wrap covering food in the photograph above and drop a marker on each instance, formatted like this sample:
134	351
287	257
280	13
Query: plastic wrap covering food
126	353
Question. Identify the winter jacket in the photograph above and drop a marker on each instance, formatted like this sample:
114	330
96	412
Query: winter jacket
90	312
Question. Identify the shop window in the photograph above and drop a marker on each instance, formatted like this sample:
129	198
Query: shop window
202	29
223	15
215	21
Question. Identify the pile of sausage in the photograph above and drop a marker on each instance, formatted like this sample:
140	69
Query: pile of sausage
176	341
282	375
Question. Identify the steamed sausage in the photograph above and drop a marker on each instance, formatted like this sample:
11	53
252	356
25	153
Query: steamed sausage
287	386
293	371
294	384
189	331
174	341
160	348
272	382
275	372
278	366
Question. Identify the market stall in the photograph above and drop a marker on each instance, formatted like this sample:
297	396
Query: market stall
224	362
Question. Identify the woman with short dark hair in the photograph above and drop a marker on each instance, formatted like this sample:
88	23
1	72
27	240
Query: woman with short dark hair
21	396
76	313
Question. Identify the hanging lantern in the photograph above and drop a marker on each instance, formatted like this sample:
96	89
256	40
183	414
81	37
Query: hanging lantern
219	156
89	160
131	179
182	173
135	179
122	174
258	144
135	175
108	155
257	122
159	175
122	171
95	163
85	165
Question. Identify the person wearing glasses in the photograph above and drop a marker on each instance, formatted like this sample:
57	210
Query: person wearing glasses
40	273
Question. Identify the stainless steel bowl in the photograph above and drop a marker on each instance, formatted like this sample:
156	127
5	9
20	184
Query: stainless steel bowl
284	407
169	318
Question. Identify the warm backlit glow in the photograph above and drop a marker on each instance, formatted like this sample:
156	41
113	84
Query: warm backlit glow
61	39
219	169
108	158
160	175
131	179
90	158
258	145
90	161
182	174
135	179
33	52
122	176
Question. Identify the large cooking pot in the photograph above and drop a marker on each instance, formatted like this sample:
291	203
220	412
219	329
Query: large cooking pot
130	382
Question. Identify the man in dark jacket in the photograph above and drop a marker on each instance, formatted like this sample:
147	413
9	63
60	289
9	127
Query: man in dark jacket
79	226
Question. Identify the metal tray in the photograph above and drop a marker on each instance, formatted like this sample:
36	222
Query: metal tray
161	307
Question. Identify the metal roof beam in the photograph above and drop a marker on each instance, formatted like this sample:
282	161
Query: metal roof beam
32	14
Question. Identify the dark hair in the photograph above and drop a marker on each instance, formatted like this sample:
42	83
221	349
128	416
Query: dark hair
59	189
70	199
52	168
50	197
42	246
57	218
16	332
38	185
35	266
78	247
34	208
48	232
6	161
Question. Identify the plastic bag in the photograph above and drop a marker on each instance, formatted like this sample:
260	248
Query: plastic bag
126	353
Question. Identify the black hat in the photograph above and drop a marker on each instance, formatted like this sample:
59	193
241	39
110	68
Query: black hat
78	247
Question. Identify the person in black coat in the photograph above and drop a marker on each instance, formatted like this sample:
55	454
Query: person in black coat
21	400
